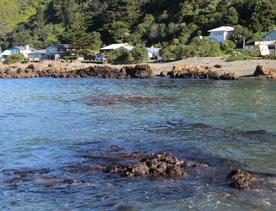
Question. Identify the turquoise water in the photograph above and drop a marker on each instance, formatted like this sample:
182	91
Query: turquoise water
45	124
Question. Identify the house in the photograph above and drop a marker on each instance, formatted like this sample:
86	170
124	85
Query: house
270	36
56	52
116	47
154	53
266	47
25	50
37	55
4	55
221	34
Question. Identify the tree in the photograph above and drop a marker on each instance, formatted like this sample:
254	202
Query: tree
240	34
64	11
79	39
139	54
232	16
118	31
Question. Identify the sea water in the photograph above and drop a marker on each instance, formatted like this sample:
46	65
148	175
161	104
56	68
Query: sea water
45	124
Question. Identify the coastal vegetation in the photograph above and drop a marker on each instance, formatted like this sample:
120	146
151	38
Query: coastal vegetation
175	26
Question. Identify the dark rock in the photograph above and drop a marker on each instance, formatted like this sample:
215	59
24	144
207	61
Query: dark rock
155	165
25	171
218	66
262	71
31	66
240	179
163	74
138	71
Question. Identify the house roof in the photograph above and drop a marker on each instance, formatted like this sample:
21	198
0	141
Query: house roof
60	45
23	48
6	53
269	32
222	29
153	50
272	42
43	51
116	46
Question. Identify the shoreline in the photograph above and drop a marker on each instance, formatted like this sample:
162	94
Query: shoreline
61	69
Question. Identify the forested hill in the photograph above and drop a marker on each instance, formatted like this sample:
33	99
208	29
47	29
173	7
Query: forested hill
153	22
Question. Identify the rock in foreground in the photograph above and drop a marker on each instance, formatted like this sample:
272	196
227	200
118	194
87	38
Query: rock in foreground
240	179
155	165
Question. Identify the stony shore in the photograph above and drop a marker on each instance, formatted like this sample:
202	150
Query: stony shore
194	68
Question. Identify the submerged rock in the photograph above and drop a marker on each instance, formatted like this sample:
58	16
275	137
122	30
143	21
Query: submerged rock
118	99
25	171
155	165
240	179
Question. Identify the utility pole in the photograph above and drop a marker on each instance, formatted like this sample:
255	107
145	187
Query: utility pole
243	43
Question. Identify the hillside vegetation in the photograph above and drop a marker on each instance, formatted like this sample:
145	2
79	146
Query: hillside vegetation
13	12
88	24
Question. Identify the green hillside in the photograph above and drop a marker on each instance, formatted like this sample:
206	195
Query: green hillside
172	25
13	12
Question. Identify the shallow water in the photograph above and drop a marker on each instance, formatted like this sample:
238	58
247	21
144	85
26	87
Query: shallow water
45	124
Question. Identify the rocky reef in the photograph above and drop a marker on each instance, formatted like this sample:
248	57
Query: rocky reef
240	179
136	164
34	70
200	72
155	165
122	99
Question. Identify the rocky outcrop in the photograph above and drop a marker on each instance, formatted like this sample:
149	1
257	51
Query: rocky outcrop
240	179
200	72
265	72
66	71
155	165
138	71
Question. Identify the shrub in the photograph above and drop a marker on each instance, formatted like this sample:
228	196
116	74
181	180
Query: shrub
243	55
139	54
121	56
206	47
15	58
183	52
228	46
271	57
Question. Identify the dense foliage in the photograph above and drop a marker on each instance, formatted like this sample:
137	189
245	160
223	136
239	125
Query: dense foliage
87	24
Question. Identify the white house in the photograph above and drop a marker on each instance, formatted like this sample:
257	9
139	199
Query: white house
221	34
25	50
56	52
270	36
154	53
4	55
266	47
116	47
